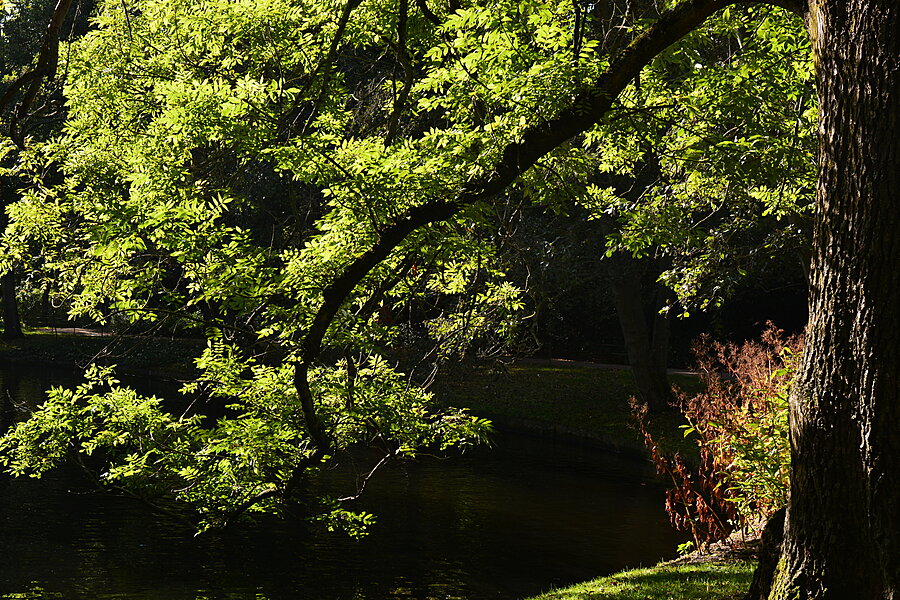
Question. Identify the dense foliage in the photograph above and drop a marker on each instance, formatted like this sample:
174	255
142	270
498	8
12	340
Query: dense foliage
741	420
312	186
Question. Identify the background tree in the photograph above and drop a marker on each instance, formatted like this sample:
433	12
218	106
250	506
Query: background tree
31	104
693	180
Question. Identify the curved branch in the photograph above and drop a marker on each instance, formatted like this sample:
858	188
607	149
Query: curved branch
428	13
308	408
334	295
587	109
17	85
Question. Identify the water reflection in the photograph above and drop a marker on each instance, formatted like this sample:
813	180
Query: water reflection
489	525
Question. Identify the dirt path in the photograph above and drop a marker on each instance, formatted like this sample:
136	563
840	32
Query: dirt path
74	331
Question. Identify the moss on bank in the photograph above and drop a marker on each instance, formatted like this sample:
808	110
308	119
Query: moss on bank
668	581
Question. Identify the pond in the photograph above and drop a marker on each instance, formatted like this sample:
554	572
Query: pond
520	518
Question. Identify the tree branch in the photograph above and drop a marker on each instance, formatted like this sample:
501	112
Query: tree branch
405	62
308	408
48	60
587	109
427	12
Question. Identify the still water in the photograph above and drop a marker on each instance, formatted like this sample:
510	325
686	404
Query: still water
505	523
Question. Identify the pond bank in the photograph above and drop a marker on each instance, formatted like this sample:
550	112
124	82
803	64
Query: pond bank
722	579
588	404
579	403
582	403
166	358
572	402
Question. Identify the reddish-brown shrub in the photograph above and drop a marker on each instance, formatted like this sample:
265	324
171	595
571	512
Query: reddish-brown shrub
740	425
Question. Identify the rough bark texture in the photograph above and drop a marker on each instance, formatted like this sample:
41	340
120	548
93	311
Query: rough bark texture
842	538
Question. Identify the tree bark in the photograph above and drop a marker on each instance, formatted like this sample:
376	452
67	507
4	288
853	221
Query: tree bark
12	327
842	537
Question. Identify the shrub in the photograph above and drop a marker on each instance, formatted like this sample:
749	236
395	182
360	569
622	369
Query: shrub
740	424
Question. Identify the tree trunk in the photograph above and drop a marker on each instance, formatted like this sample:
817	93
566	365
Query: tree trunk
769	553
646	340
842	538
12	328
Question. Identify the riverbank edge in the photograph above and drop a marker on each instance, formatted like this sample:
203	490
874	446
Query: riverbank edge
476	388
170	359
694	579
690	578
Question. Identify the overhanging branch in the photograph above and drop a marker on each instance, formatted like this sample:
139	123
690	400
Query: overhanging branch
586	110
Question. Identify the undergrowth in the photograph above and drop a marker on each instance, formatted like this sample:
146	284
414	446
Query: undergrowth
739	424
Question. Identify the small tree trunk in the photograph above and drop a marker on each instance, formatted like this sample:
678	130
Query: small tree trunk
842	538
45	304
12	327
647	348
659	336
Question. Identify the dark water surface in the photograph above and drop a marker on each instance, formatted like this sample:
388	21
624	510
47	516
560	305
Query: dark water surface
503	523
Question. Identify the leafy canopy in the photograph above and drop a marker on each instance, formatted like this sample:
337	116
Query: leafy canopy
312	185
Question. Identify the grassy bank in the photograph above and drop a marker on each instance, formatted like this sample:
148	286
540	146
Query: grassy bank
151	356
686	581
567	400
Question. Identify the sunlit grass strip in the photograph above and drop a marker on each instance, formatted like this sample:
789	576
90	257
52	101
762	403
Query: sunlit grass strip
709	581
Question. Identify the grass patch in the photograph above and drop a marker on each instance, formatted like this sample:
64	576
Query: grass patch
699	581
162	357
580	400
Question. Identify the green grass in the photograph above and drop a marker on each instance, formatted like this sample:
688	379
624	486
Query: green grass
704	581
162	357
581	401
